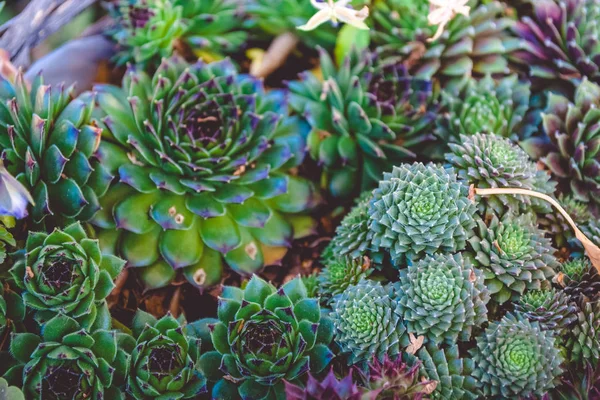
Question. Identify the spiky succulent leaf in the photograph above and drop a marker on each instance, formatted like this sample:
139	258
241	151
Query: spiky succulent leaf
328	388
368	322
64	272
514	255
149	30
515	357
583	341
341	272
442	297
420	209
365	118
579	278
558	227
48	142
552	309
204	158
264	336
68	362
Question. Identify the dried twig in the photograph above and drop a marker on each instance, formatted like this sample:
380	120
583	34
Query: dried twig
276	55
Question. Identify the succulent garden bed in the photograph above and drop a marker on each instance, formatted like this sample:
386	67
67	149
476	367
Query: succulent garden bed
271	199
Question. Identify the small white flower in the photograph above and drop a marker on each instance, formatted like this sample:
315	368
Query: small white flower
442	11
14	198
337	11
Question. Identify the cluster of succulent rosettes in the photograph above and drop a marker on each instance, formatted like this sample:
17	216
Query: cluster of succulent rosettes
572	153
204	164
68	362
558	227
491	161
420	209
558	42
365	117
64	272
583	341
165	360
12	310
329	388
514	256
515	357
578	278
442	297
368	322
453	374
553	309
472	46
262	337
486	106
148	30
341	272
48	141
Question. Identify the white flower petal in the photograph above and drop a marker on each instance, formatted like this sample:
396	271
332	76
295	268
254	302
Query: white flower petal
319	18
352	17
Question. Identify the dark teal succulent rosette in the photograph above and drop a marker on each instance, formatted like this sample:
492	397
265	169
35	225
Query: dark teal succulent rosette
68	362
204	161
164	362
365	118
48	141
64	272
262	337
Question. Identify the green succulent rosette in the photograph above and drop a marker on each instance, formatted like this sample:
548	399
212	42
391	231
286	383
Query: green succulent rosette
48	141
64	272
442	297
262	337
341	272
553	309
488	105
204	161
583	340
68	362
420	209
368	322
165	360
149	30
579	278
471	46
365	118
515	357
514	255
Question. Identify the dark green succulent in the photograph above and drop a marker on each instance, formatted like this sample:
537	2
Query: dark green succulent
486	106
552	309
204	160
453	373
149	30
442	297
329	388
583	341
64	272
491	161
579	278
472	46
48	142
262	337
68	362
6	240
365	118
420	209
341	272
368	322
164	361
515	357
558	227
12	311
514	255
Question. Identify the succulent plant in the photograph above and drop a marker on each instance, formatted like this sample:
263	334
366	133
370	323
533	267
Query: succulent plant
583	341
491	161
9	392
580	386
394	379
68	362
559	40
579	278
365	118
341	272
48	142
558	227
442	297
453	373
329	388
164	360
368	322
6	241
552	309
204	163
264	336
420	209
64	272
515	357
149	30
472	46
12	311
487	106
514	255
311	282
574	141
